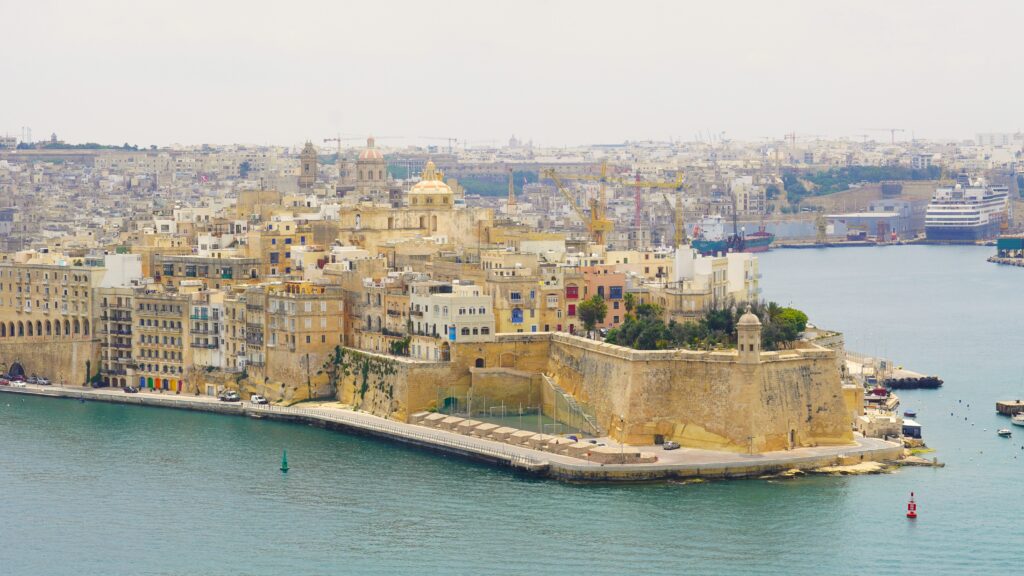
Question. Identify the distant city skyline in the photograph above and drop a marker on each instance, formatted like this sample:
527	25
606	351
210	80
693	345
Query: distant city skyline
556	73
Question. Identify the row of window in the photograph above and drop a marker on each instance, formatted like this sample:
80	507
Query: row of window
165	340
166	354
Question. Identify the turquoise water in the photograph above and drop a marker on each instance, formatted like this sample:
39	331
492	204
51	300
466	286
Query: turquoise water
103	489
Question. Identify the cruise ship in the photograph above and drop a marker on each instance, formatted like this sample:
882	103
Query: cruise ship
966	212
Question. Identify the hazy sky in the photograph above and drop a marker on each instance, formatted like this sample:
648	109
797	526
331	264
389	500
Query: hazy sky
557	72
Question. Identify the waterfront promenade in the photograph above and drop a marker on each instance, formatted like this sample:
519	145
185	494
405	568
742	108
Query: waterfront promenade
682	463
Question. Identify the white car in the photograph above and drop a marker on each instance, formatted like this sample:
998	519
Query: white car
257	399
17	384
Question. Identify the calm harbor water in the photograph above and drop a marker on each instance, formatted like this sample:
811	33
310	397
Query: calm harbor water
102	489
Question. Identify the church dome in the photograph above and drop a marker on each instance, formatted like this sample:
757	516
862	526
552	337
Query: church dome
431	182
749	319
370	152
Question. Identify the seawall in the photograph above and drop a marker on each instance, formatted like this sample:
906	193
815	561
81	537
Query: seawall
695	464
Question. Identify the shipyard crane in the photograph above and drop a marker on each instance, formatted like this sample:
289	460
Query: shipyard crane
677	185
892	132
598	226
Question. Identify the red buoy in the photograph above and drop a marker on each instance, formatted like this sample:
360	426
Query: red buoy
911	507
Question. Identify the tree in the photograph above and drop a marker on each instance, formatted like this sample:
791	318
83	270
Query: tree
592	312
630	302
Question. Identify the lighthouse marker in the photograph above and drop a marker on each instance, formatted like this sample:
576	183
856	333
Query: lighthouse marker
912	507
284	461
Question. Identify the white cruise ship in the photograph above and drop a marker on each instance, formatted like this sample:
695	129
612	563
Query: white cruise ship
966	212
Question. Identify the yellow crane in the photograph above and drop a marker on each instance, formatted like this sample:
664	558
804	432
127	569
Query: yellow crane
598	226
677	185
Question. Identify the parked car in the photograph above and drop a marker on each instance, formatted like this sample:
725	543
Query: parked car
257	399
33	380
230	396
5	382
670	445
18	384
131	390
42	381
17	378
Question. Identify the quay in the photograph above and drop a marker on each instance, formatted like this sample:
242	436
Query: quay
684	463
1007	261
1010	407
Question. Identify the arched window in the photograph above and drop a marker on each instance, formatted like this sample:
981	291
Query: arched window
21	329
517	315
78	327
67	328
465	331
479	363
49	328
85	325
3	330
30	328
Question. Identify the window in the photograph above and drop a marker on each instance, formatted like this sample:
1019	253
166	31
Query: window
287	240
615	292
485	330
615	305
515	296
572	309
517	315
600	291
273	240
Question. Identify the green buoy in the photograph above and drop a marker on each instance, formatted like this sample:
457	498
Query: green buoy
284	461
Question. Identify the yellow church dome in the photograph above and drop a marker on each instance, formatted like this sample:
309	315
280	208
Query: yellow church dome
431	182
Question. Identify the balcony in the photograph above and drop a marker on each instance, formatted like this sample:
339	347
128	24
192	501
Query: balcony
198	317
205	345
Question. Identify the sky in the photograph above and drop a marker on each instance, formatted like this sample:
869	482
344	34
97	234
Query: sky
558	73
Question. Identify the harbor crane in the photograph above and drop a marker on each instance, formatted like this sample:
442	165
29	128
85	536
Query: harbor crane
598	226
677	185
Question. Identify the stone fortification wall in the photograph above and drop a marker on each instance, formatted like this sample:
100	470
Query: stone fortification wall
56	360
706	399
700	399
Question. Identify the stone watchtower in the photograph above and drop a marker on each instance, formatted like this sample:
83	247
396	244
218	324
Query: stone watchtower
307	176
748	338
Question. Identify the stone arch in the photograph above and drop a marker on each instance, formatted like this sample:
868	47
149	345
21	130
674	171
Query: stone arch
30	328
446	352
21	328
3	330
39	328
77	326
479	363
16	369
67	328
85	326
433	223
10	330
49	328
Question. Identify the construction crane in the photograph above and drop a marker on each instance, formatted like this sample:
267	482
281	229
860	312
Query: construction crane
892	132
597	225
451	141
339	139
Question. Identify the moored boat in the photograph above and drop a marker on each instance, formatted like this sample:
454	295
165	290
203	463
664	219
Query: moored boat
1017	419
1004	432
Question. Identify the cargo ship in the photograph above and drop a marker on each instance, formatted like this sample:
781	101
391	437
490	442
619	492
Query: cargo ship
709	238
966	212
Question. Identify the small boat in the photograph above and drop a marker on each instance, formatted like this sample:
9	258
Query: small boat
1017	419
910	413
1004	432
